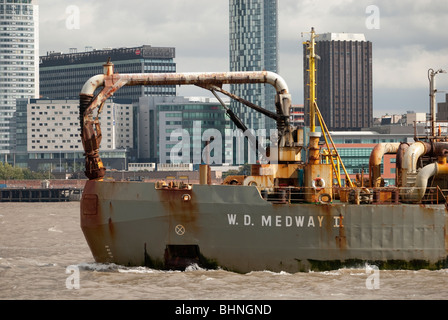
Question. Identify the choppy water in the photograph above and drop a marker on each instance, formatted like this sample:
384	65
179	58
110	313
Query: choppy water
40	242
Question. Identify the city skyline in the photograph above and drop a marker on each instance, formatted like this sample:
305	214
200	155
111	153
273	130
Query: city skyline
408	38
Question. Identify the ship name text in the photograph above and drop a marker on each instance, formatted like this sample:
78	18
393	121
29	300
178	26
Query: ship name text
298	221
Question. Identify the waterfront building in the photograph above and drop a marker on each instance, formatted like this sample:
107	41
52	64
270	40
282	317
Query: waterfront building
63	75
19	64
355	149
161	119
253	46
48	134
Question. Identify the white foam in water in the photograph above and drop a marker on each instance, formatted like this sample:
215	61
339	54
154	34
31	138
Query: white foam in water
98	266
112	267
281	273
53	229
137	270
194	267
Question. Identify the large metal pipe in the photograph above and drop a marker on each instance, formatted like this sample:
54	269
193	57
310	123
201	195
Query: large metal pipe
417	192
376	156
411	156
90	129
92	84
413	153
112	82
440	149
399	162
193	78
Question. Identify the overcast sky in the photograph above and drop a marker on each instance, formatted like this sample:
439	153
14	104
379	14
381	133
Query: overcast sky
408	38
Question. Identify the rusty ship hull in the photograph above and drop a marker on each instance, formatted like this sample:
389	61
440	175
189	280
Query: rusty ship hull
234	228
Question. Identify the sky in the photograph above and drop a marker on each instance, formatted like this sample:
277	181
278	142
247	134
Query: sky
408	38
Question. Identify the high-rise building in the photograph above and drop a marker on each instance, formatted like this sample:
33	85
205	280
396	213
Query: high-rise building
442	110
19	64
48	134
63	75
253	29
344	81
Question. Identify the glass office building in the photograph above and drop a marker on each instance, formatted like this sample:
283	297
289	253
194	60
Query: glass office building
253	29
19	57
162	118
63	75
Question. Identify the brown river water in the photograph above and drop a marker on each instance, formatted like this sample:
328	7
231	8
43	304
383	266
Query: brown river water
44	256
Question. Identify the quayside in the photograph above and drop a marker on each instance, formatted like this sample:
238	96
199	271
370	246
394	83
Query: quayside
300	212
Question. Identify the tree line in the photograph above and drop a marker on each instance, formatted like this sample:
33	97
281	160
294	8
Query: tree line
8	172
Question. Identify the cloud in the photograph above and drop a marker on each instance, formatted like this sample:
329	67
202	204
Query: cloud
411	37
197	26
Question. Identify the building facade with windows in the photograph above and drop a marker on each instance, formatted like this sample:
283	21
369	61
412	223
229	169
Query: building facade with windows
162	120
355	149
63	75
253	46
344	81
442	109
297	115
19	64
48	134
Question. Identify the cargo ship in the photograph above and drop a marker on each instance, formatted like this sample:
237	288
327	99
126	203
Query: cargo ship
292	213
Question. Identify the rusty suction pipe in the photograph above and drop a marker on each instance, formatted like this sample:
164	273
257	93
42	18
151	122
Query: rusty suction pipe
411	156
194	78
90	129
417	192
376	156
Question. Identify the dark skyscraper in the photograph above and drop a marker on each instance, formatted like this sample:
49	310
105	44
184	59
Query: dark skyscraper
344	81
253	26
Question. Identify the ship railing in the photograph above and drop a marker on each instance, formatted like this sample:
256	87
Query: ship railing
423	129
290	194
435	195
356	195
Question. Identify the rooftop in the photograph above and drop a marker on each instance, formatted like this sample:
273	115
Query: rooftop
341	37
116	54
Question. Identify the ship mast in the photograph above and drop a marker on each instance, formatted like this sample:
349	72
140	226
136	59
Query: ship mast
332	155
312	76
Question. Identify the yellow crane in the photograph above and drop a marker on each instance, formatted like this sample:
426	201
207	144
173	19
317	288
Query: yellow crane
331	154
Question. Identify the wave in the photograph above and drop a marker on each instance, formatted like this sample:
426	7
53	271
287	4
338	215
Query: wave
280	273
112	267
